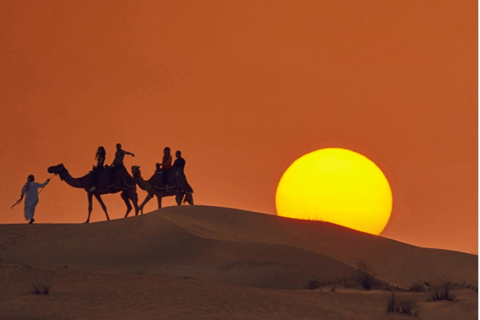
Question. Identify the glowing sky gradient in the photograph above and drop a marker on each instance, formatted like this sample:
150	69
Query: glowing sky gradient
244	88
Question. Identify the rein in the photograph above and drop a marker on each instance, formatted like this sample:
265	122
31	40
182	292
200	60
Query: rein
51	177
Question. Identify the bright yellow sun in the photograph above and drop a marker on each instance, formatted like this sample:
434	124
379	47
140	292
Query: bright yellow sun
338	186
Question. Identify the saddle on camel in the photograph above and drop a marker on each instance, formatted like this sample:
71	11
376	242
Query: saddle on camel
175	183
107	182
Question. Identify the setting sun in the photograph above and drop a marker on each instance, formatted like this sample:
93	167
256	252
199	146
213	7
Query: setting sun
338	186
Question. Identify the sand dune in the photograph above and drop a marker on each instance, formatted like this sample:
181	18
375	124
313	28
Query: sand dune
213	263
152	245
396	261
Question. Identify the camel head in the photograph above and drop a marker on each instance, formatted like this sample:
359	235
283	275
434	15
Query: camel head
136	170
58	169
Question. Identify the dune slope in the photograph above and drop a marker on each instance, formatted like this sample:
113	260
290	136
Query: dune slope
231	246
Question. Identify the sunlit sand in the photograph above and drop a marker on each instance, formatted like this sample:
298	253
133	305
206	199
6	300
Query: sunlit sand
200	262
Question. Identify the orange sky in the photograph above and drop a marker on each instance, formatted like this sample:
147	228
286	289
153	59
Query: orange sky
244	88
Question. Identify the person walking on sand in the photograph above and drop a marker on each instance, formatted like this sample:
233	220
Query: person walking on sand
30	189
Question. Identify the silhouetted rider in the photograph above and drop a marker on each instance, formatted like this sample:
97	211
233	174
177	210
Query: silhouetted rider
166	165
119	156
179	164
117	163
97	170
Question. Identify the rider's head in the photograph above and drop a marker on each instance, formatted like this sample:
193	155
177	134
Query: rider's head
178	154
31	178
100	152
166	150
119	146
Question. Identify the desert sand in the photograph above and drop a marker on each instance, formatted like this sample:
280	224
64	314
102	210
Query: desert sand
201	262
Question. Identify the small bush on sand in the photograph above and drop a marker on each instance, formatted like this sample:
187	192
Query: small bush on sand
364	276
443	291
313	284
404	305
40	284
417	286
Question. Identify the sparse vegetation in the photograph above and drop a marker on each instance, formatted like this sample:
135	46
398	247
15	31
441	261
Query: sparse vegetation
364	276
472	287
40	284
404	305
444	291
314	284
418	286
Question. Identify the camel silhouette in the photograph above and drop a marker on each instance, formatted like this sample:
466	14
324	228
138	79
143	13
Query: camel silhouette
122	182
155	186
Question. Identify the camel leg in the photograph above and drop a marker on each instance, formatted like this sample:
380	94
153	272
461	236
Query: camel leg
179	198
90	206
127	202
134	199
189	199
159	201
149	196
104	207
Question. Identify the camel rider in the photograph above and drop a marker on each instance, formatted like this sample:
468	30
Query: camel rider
97	170
119	155
117	163
179	164
167	159
166	165
178	170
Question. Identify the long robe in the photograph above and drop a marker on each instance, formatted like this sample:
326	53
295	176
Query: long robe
31	198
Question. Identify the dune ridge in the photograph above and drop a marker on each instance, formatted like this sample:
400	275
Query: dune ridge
200	262
229	246
398	262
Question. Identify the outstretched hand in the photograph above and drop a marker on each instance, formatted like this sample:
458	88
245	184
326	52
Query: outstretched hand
18	201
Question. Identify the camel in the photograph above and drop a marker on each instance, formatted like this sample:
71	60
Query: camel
156	187
123	183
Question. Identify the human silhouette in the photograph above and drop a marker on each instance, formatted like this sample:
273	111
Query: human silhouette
117	163
100	157
167	159
30	191
166	165
119	155
179	164
183	188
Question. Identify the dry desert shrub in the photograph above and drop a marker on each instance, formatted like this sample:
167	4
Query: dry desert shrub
314	284
364	276
417	286
40	283
405	305
445	290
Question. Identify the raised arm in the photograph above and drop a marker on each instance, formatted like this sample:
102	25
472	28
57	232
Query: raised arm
41	185
129	153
